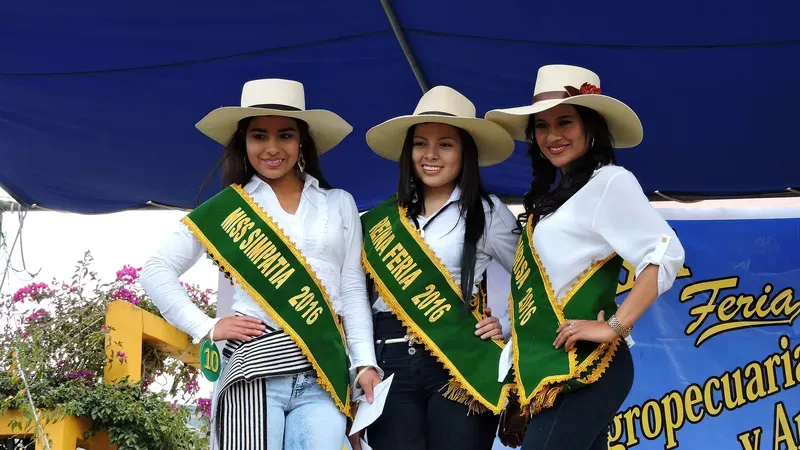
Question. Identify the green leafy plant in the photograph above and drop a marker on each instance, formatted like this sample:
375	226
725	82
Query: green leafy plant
54	334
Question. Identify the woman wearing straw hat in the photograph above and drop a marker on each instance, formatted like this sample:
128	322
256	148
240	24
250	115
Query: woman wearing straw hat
291	245
425	250
572	365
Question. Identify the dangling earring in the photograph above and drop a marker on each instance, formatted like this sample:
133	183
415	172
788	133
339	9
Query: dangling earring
301	161
245	163
592	145
415	197
542	155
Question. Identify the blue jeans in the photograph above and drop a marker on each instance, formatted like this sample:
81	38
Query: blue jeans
301	415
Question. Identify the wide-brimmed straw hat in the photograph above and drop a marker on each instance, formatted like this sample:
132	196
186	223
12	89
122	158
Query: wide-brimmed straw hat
562	84
443	104
276	97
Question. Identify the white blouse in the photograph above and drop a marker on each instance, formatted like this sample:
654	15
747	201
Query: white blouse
443	231
327	230
609	214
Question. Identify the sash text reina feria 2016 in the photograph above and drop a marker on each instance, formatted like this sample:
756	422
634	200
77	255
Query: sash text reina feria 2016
260	250
405	270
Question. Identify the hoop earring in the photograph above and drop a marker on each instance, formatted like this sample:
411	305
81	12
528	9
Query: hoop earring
301	162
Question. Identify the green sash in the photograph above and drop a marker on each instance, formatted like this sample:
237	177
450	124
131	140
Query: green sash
421	292
252	250
542	371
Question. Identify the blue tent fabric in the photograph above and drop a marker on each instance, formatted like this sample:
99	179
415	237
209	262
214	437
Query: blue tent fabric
98	101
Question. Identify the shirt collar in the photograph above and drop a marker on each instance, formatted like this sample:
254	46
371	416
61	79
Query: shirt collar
311	187
455	196
309	183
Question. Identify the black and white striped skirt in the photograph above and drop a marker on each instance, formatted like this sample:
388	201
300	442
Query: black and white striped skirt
240	416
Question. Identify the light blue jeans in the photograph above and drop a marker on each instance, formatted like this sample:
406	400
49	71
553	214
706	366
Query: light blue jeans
301	415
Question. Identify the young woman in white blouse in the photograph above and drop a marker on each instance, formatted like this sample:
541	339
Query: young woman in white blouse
426	250
284	380
571	362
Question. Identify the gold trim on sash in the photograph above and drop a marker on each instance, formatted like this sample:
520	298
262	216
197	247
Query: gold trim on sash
322	378
437	262
453	390
544	395
583	277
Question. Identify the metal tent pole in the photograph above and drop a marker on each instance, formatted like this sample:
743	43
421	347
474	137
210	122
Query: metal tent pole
401	39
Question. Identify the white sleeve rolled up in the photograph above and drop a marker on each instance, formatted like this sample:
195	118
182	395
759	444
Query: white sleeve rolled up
635	231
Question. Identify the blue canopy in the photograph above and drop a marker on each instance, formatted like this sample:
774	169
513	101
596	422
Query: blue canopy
98	100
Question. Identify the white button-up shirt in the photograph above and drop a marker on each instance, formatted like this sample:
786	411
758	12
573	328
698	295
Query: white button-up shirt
444	234
325	228
609	214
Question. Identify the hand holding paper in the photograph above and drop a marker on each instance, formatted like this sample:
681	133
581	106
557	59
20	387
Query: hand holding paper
368	380
369	412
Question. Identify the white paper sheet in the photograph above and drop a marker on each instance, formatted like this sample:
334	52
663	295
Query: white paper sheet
504	365
347	446
368	413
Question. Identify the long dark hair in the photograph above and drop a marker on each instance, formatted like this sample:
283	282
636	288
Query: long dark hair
236	171
470	205
540	200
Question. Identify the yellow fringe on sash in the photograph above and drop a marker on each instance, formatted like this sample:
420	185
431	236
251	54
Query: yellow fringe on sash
233	274
603	364
544	395
454	390
457	393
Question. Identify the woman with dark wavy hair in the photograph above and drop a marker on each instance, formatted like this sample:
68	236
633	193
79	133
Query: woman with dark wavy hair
583	216
427	250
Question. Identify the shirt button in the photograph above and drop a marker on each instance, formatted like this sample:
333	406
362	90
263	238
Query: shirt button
412	350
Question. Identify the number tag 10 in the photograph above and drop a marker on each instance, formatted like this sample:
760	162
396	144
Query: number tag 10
209	360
